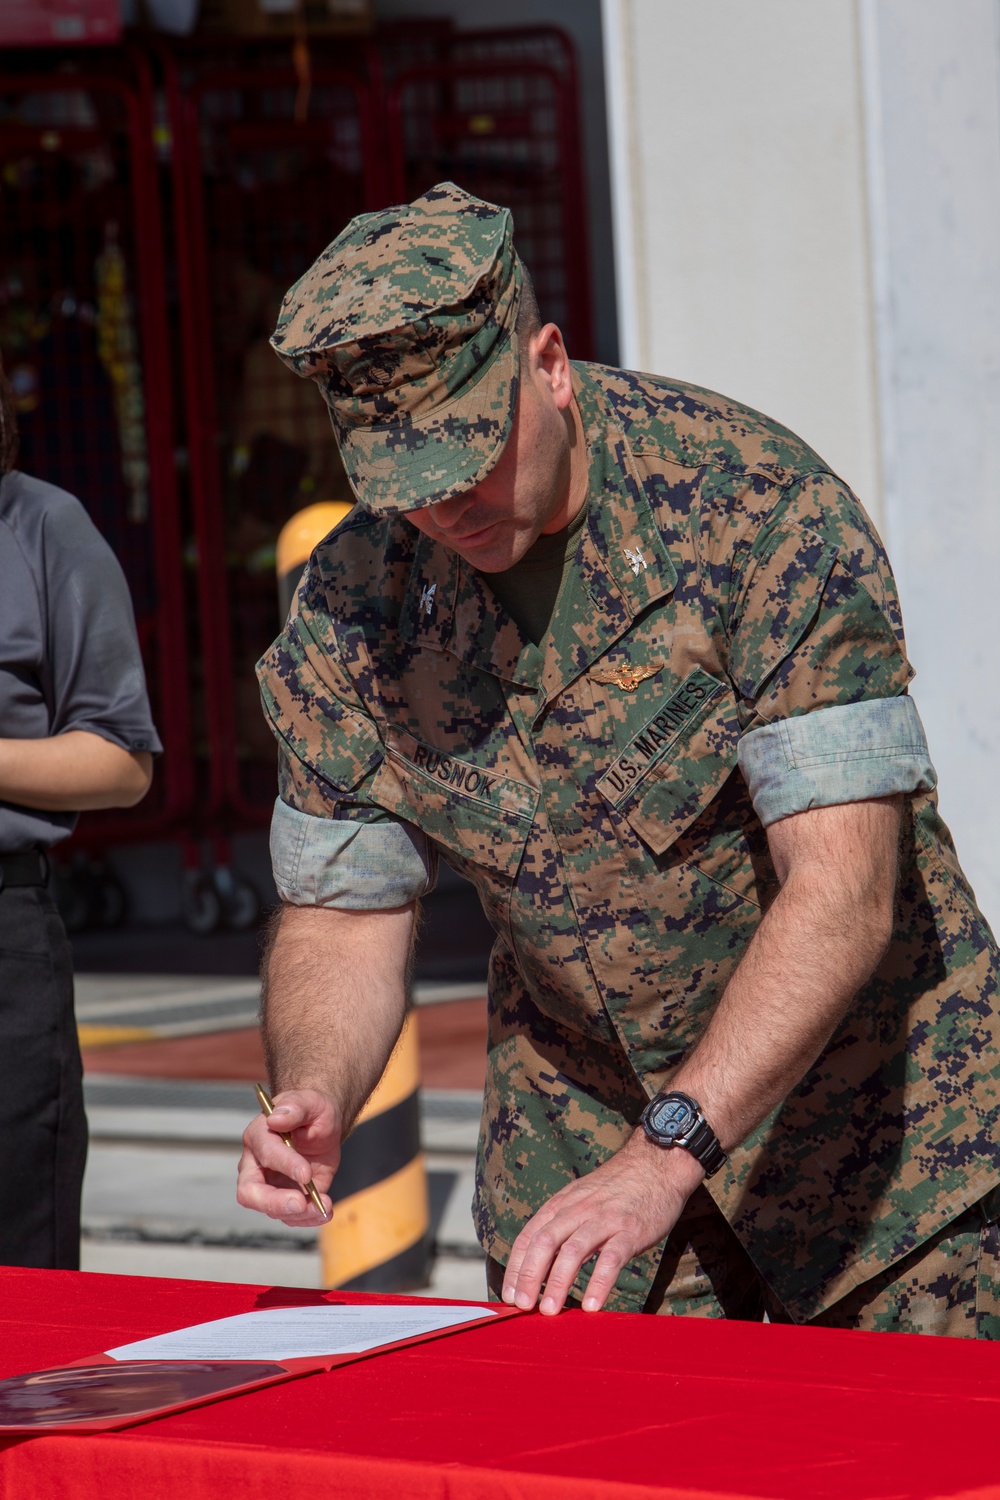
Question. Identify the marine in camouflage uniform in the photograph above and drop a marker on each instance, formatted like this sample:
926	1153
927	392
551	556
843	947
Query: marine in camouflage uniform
727	651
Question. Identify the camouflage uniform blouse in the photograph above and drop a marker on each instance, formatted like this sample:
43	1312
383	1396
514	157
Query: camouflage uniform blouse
729	652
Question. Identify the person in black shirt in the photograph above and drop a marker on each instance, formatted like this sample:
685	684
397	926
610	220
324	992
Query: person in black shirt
75	734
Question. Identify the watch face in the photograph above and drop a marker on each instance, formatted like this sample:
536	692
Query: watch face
672	1118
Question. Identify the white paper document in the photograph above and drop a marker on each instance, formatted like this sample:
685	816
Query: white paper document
300	1332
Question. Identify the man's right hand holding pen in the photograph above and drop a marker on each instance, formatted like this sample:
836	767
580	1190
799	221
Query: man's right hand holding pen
332	1007
273	1175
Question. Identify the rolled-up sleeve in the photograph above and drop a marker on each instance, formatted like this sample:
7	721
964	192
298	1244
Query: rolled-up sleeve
845	753
331	843
354	866
818	660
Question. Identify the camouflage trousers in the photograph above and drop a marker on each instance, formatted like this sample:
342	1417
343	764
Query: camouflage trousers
950	1285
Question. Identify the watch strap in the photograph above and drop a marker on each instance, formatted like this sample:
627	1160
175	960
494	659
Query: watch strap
703	1144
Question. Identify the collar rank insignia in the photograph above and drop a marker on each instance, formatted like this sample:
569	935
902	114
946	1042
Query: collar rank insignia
635	560
427	599
628	678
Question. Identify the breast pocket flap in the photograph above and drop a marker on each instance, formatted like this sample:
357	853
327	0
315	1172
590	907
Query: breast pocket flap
679	761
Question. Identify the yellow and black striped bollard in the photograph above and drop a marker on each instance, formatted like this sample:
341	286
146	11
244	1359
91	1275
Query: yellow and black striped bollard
378	1239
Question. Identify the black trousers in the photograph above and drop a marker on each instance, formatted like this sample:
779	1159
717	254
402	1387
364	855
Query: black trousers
43	1128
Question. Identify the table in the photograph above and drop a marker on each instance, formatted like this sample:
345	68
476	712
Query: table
604	1406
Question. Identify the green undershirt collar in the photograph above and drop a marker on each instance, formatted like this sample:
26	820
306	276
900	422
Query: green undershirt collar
529	591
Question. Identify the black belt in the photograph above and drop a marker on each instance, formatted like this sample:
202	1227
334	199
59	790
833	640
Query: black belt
29	868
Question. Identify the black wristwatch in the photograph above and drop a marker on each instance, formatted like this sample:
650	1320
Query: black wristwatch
675	1119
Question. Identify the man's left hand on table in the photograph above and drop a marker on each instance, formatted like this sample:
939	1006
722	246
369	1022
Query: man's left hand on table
623	1207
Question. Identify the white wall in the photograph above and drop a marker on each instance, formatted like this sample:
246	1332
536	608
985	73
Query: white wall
807	217
748	269
933	73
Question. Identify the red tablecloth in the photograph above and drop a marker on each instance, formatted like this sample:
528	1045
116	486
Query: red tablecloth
579	1407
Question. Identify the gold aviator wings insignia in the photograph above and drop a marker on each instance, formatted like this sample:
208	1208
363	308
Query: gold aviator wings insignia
628	678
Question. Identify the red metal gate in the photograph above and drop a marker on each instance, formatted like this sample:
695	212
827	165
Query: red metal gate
269	169
269	164
499	115
83	327
272	153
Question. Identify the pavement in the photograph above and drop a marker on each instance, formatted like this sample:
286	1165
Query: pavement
169	1061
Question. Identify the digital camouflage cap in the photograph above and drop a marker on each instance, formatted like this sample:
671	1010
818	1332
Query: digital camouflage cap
406	322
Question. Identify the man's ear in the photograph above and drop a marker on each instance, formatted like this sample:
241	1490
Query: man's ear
549	363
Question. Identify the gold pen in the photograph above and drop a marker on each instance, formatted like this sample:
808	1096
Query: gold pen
264	1099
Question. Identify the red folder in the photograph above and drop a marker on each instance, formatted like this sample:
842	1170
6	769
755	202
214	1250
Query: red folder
99	1393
